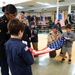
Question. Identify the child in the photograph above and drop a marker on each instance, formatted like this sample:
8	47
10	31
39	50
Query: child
53	36
67	47
19	57
34	35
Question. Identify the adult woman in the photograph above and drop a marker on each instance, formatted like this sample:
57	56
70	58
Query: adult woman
10	12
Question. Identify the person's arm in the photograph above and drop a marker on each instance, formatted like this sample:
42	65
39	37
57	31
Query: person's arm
59	35
28	32
27	22
49	39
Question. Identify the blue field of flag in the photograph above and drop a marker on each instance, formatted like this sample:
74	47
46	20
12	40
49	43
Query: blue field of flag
58	43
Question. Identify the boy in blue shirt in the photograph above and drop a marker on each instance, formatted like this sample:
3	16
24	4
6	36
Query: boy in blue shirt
34	35
19	57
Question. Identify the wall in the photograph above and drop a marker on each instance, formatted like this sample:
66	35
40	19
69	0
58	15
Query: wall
65	14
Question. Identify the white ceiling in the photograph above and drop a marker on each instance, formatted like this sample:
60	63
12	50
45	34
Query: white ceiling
32	5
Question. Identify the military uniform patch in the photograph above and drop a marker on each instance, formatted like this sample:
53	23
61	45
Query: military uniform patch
26	48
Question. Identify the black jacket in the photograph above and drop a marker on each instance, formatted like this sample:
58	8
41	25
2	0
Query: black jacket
4	36
27	35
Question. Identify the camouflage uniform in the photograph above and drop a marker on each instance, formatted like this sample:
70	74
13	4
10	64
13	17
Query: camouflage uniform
24	21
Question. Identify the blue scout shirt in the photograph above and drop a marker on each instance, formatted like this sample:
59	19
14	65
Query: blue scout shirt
35	34
19	57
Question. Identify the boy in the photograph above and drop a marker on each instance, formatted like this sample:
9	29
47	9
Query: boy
19	57
34	35
67	47
53	36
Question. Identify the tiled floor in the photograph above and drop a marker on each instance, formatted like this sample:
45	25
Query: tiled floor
44	65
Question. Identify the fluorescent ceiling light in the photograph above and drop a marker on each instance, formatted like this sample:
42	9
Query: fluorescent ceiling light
19	7
5	2
42	3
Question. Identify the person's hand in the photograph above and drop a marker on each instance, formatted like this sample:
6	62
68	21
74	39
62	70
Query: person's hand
59	37
67	38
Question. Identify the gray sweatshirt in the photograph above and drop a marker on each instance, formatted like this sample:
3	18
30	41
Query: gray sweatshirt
70	35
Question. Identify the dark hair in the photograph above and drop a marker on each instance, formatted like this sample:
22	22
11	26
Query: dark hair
14	26
55	26
10	8
23	12
3	9
68	26
32	23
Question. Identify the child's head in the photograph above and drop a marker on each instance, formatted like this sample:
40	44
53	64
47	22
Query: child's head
16	28
55	28
32	24
68	28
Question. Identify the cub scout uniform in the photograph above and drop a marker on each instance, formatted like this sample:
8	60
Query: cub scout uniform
52	36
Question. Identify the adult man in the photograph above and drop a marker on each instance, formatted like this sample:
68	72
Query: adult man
23	19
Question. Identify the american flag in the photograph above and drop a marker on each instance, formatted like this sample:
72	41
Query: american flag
61	18
43	21
34	19
54	46
62	21
57	44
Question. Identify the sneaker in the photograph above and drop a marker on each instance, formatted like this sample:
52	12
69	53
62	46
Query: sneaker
62	60
69	61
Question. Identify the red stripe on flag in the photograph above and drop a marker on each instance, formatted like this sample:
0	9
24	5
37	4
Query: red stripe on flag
43	51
